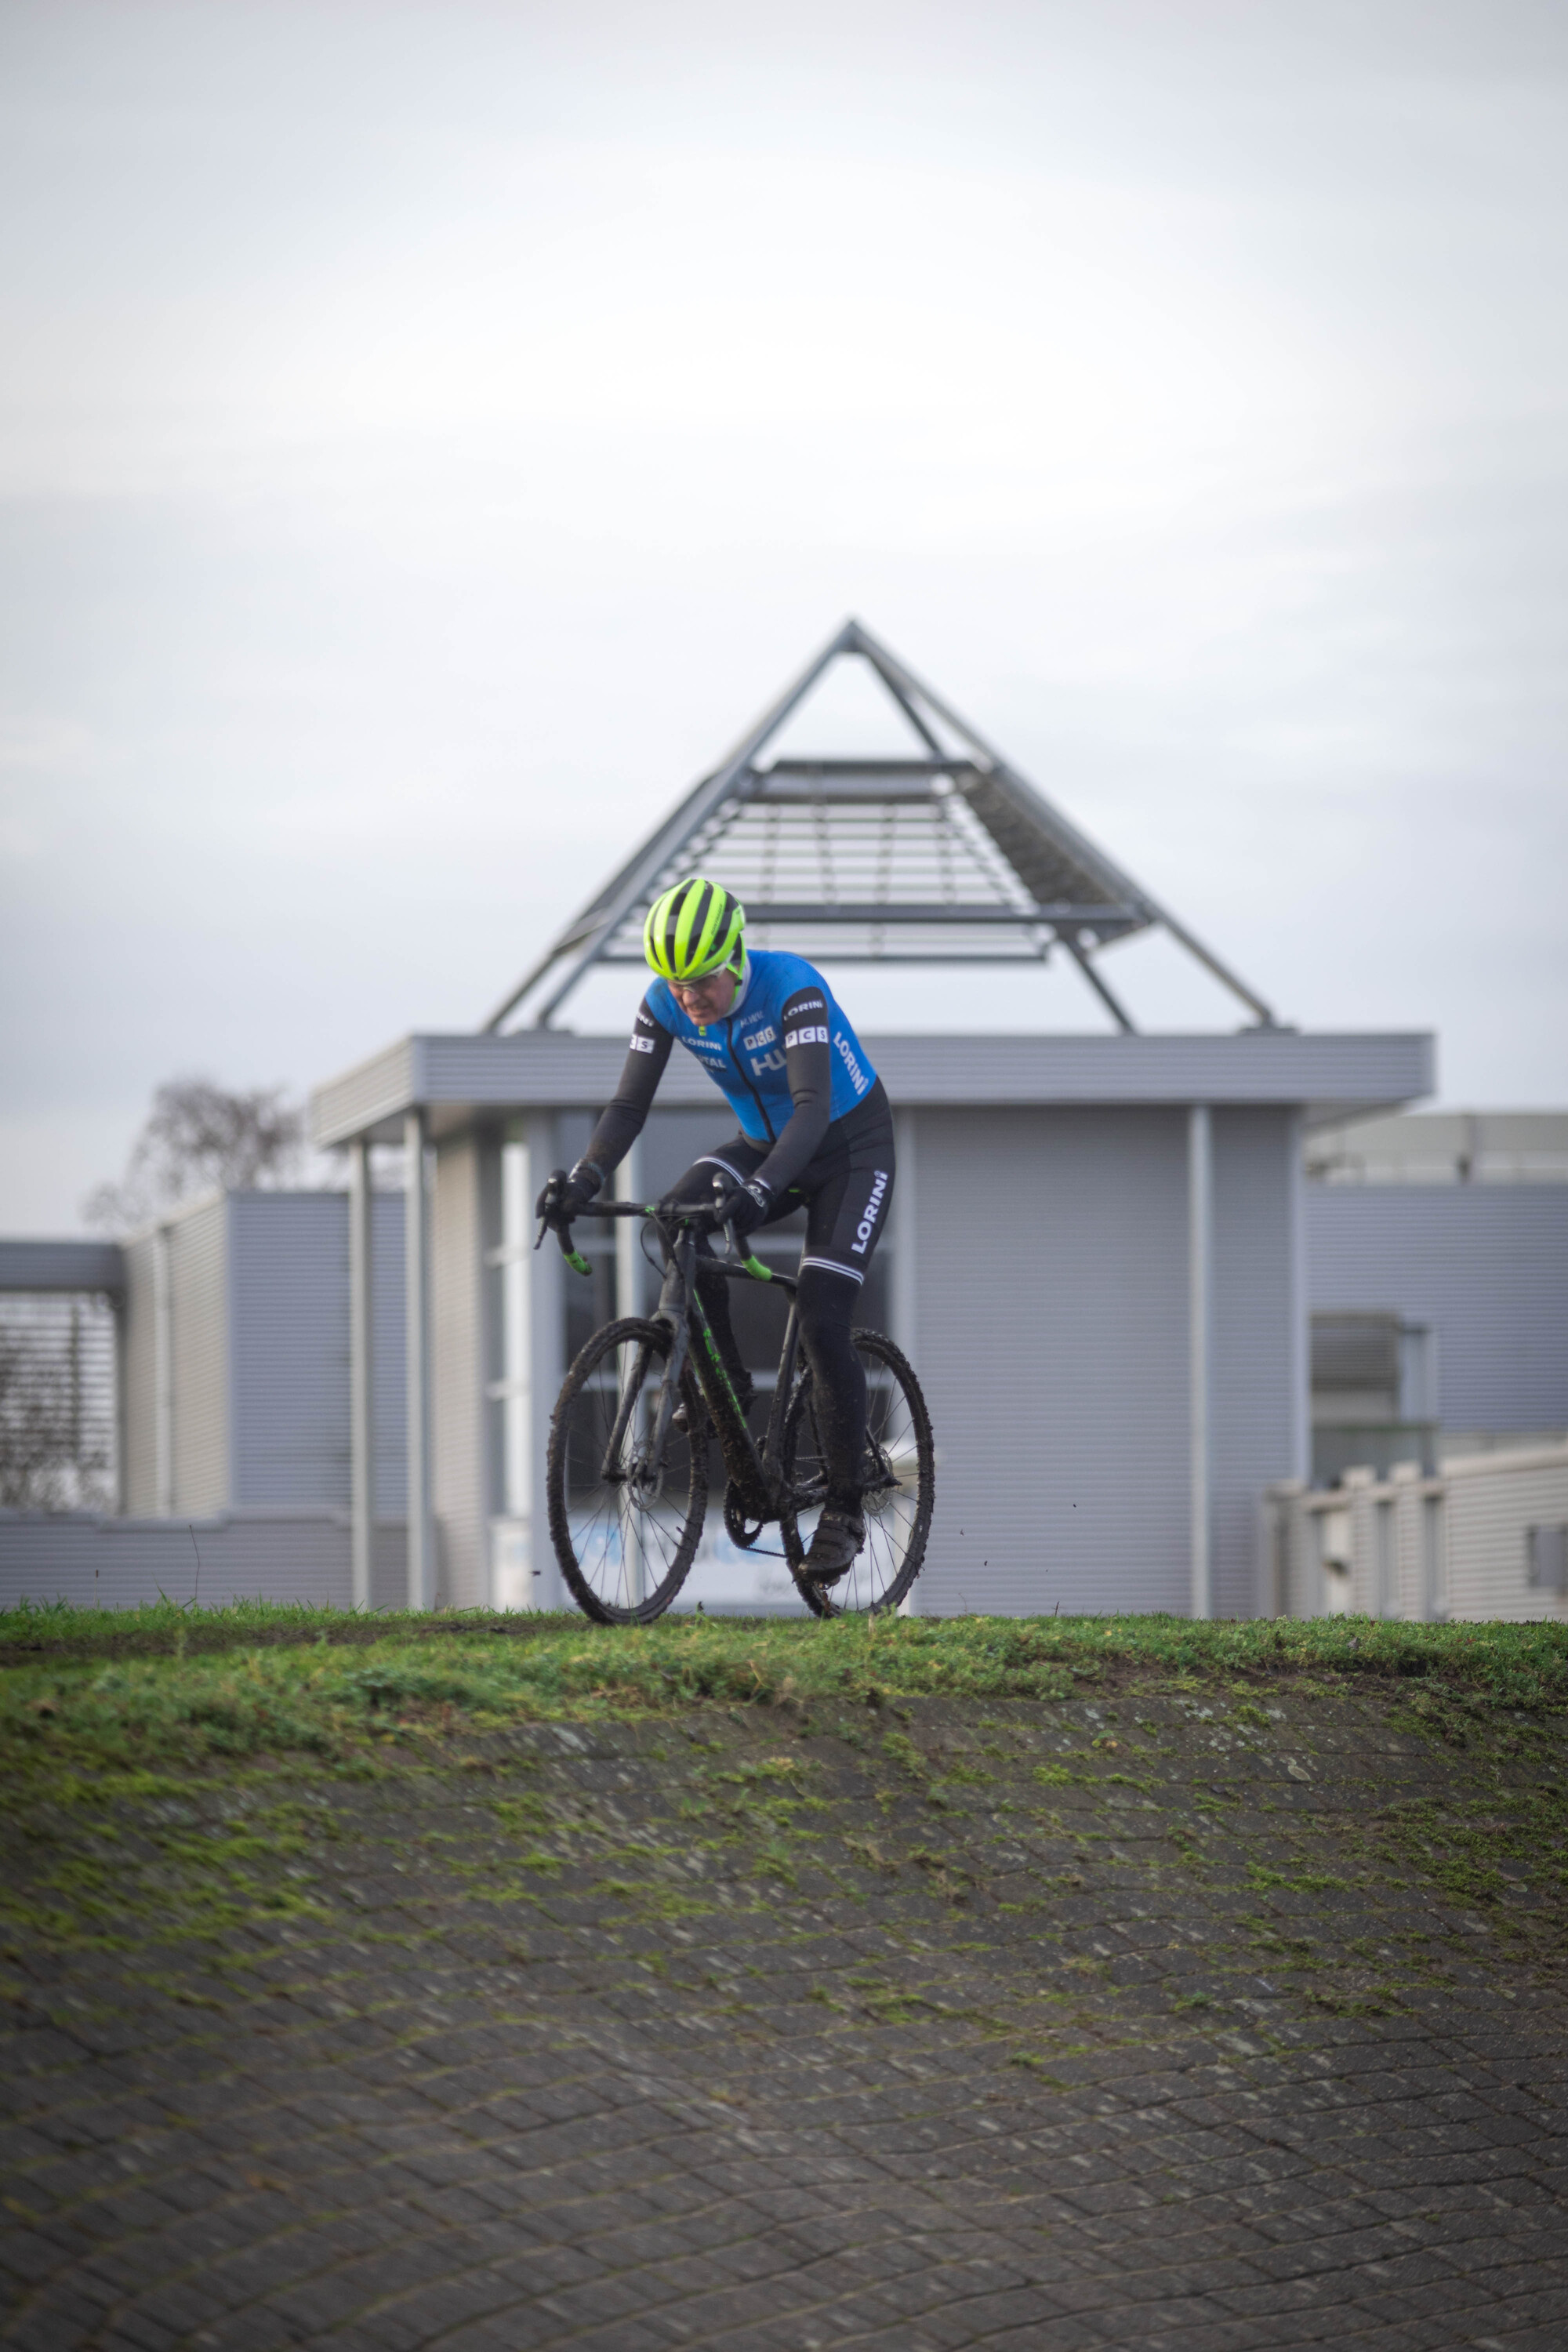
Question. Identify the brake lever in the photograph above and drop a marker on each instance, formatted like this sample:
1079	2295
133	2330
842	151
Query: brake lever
563	1232
751	1263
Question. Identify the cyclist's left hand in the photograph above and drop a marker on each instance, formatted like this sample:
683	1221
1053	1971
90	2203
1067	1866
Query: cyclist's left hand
746	1208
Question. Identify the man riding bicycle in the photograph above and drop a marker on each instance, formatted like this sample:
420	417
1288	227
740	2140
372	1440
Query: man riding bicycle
815	1130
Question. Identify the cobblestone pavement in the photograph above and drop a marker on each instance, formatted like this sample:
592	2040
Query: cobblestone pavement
1172	2019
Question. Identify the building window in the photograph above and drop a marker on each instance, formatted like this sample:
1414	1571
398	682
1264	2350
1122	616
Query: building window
57	1415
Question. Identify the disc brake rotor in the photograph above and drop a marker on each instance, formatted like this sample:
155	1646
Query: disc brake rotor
644	1487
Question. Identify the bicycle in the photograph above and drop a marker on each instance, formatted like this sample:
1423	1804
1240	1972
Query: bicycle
627	1476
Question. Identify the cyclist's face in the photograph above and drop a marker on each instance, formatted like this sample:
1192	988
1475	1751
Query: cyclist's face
704	1000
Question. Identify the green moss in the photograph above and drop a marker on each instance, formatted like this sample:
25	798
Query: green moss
189	1792
1301	1880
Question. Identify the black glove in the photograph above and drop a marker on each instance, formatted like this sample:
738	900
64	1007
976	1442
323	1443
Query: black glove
565	1194
748	1206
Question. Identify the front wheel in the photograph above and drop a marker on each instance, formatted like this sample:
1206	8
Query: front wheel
897	1479
624	1526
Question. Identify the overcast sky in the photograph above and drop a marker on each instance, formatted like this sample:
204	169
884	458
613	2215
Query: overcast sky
430	434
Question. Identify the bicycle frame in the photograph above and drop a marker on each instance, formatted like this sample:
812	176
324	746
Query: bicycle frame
682	1311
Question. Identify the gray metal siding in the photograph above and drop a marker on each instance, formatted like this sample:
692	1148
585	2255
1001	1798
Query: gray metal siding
114	1564
349	1105
1051	1301
139	1408
61	1266
289	1342
261	1356
293	1272
1259	1066
1487	1266
457	1351
1335	1075
119	1563
1254	1390
199	1287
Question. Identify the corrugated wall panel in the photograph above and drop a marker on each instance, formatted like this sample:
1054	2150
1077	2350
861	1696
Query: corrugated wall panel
1052	1311
199	1293
1486	1265
289	1340
121	1563
139	1408
1254	1402
457	1348
380	1087
1489	1514
114	1564
285	1278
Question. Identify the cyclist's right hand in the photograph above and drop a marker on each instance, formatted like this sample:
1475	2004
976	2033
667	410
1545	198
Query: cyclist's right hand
565	1194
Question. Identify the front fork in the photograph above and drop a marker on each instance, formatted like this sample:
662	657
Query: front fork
671	1312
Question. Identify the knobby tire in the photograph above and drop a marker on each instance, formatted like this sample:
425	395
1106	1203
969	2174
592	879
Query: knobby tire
898	1522
609	1541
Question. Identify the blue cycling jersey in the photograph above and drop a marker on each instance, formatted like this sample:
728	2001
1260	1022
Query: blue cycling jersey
743	1053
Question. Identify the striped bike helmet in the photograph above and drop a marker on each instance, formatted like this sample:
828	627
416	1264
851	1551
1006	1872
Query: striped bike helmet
694	930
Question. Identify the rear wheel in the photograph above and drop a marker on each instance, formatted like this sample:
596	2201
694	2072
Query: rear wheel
898	1478
624	1528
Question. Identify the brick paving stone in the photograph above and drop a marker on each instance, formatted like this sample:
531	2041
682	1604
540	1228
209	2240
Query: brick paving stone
583	2122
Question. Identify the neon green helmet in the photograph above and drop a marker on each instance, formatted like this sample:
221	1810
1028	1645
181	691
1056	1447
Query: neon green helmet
693	929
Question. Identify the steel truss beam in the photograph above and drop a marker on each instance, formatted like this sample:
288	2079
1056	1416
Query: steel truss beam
951	841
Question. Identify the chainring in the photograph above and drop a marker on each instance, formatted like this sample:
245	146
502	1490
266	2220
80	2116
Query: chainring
739	1526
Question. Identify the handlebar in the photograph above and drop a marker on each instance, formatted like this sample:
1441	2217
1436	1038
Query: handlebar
680	1213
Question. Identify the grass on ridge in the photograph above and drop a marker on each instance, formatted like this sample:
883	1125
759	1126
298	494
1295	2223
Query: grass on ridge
154	1689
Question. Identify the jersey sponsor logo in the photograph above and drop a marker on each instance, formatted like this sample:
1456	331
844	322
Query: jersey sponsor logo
857	1076
867	1225
767	1037
803	1004
804	1038
642	1044
762	1062
703	1043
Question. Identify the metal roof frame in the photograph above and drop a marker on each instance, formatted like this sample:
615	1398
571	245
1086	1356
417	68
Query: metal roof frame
950	855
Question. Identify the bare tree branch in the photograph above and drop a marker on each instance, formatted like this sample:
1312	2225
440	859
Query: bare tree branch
201	1139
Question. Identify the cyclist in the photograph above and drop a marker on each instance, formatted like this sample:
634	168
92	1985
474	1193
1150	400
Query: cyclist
815	1129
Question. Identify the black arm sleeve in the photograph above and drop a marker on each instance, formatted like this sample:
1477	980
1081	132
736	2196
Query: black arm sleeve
808	1064
621	1121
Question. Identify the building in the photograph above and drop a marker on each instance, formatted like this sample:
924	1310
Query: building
1437	1255
1097	1254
